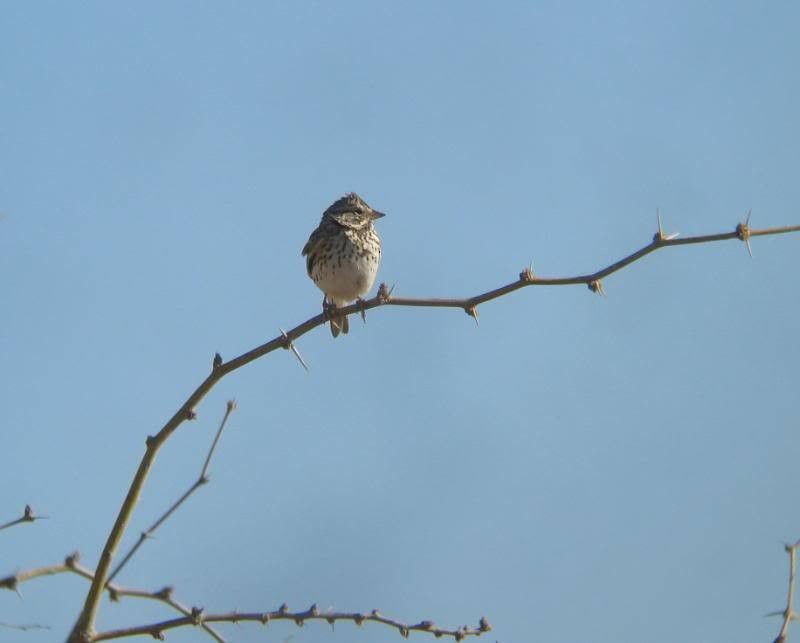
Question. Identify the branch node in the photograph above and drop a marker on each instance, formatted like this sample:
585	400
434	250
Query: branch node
217	362
743	232
10	582
71	561
384	293
659	237
288	344
150	442
191	414
472	311
264	618
484	624
596	286
527	276
362	311
113	594
165	593
358	619
197	616
283	609
314	610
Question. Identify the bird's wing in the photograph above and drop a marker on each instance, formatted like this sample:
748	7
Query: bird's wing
309	249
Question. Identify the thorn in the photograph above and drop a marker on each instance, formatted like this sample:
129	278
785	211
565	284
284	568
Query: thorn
660	236
527	274
288	344
743	232
597	287
362	310
232	406
384	293
472	311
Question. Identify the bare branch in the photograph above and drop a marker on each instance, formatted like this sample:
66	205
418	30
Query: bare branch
198	617
201	480
84	627
115	592
27	516
788	614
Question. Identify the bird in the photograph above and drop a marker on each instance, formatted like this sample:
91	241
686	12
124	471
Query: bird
342	255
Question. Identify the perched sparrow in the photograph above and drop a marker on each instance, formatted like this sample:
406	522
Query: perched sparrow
343	253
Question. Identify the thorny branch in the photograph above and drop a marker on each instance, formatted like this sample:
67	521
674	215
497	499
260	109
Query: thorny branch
201	480
83	630
789	614
72	565
198	617
27	516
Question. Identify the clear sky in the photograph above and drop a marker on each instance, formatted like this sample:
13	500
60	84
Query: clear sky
576	468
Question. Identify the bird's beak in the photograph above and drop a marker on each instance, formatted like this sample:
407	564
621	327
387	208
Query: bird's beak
378	215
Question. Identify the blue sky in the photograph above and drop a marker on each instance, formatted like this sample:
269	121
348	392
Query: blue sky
574	468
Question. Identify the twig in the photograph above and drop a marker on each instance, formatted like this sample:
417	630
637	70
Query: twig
788	614
198	617
27	516
115	592
84	627
24	628
201	480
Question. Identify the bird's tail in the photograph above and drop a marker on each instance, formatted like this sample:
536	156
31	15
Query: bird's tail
340	325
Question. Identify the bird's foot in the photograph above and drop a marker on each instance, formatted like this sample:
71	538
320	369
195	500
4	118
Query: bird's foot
361	303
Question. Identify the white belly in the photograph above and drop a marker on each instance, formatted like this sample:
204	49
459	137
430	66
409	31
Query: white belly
346	280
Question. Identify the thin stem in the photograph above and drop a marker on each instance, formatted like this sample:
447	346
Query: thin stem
198	617
115	592
27	516
789	614
201	480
